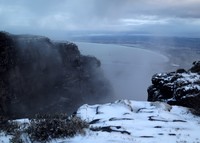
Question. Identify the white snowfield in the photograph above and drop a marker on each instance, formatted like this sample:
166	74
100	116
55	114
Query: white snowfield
127	121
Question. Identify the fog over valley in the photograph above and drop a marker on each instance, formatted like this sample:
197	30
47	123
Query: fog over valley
128	69
103	71
132	40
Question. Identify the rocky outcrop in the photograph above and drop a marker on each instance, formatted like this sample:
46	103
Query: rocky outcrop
196	67
41	76
177	88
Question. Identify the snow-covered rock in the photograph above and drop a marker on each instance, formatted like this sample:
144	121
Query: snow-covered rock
177	88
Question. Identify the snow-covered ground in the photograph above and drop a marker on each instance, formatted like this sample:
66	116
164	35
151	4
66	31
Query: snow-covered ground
127	121
129	69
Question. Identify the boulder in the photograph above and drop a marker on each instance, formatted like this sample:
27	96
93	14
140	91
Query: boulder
196	67
177	88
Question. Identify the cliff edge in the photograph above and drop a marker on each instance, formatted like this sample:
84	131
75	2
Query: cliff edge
38	75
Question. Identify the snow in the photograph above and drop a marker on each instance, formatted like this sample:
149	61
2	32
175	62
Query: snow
4	138
189	84
189	87
129	69
182	85
133	122
189	77
145	121
175	65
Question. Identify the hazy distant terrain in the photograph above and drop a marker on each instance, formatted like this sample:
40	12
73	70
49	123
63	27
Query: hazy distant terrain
181	51
128	69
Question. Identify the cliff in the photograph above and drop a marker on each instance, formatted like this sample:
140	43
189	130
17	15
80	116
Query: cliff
41	76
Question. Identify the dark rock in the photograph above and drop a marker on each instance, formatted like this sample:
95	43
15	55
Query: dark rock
94	121
41	76
177	88
180	70
158	127
196	67
146	136
171	134
110	129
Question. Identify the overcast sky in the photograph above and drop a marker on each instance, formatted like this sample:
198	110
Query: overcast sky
173	17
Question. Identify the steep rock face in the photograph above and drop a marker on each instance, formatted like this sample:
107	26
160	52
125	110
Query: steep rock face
177	88
41	76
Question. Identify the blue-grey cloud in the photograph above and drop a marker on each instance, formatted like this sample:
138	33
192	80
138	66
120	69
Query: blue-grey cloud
97	15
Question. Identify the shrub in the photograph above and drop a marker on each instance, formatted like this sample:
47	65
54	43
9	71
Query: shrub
44	128
50	127
9	127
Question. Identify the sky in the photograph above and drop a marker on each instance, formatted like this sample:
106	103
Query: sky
51	17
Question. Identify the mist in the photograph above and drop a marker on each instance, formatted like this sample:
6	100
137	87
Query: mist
129	71
130	67
42	76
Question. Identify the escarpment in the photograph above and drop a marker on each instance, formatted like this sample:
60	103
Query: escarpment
41	76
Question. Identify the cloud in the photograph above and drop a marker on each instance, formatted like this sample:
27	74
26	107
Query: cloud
143	20
97	15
